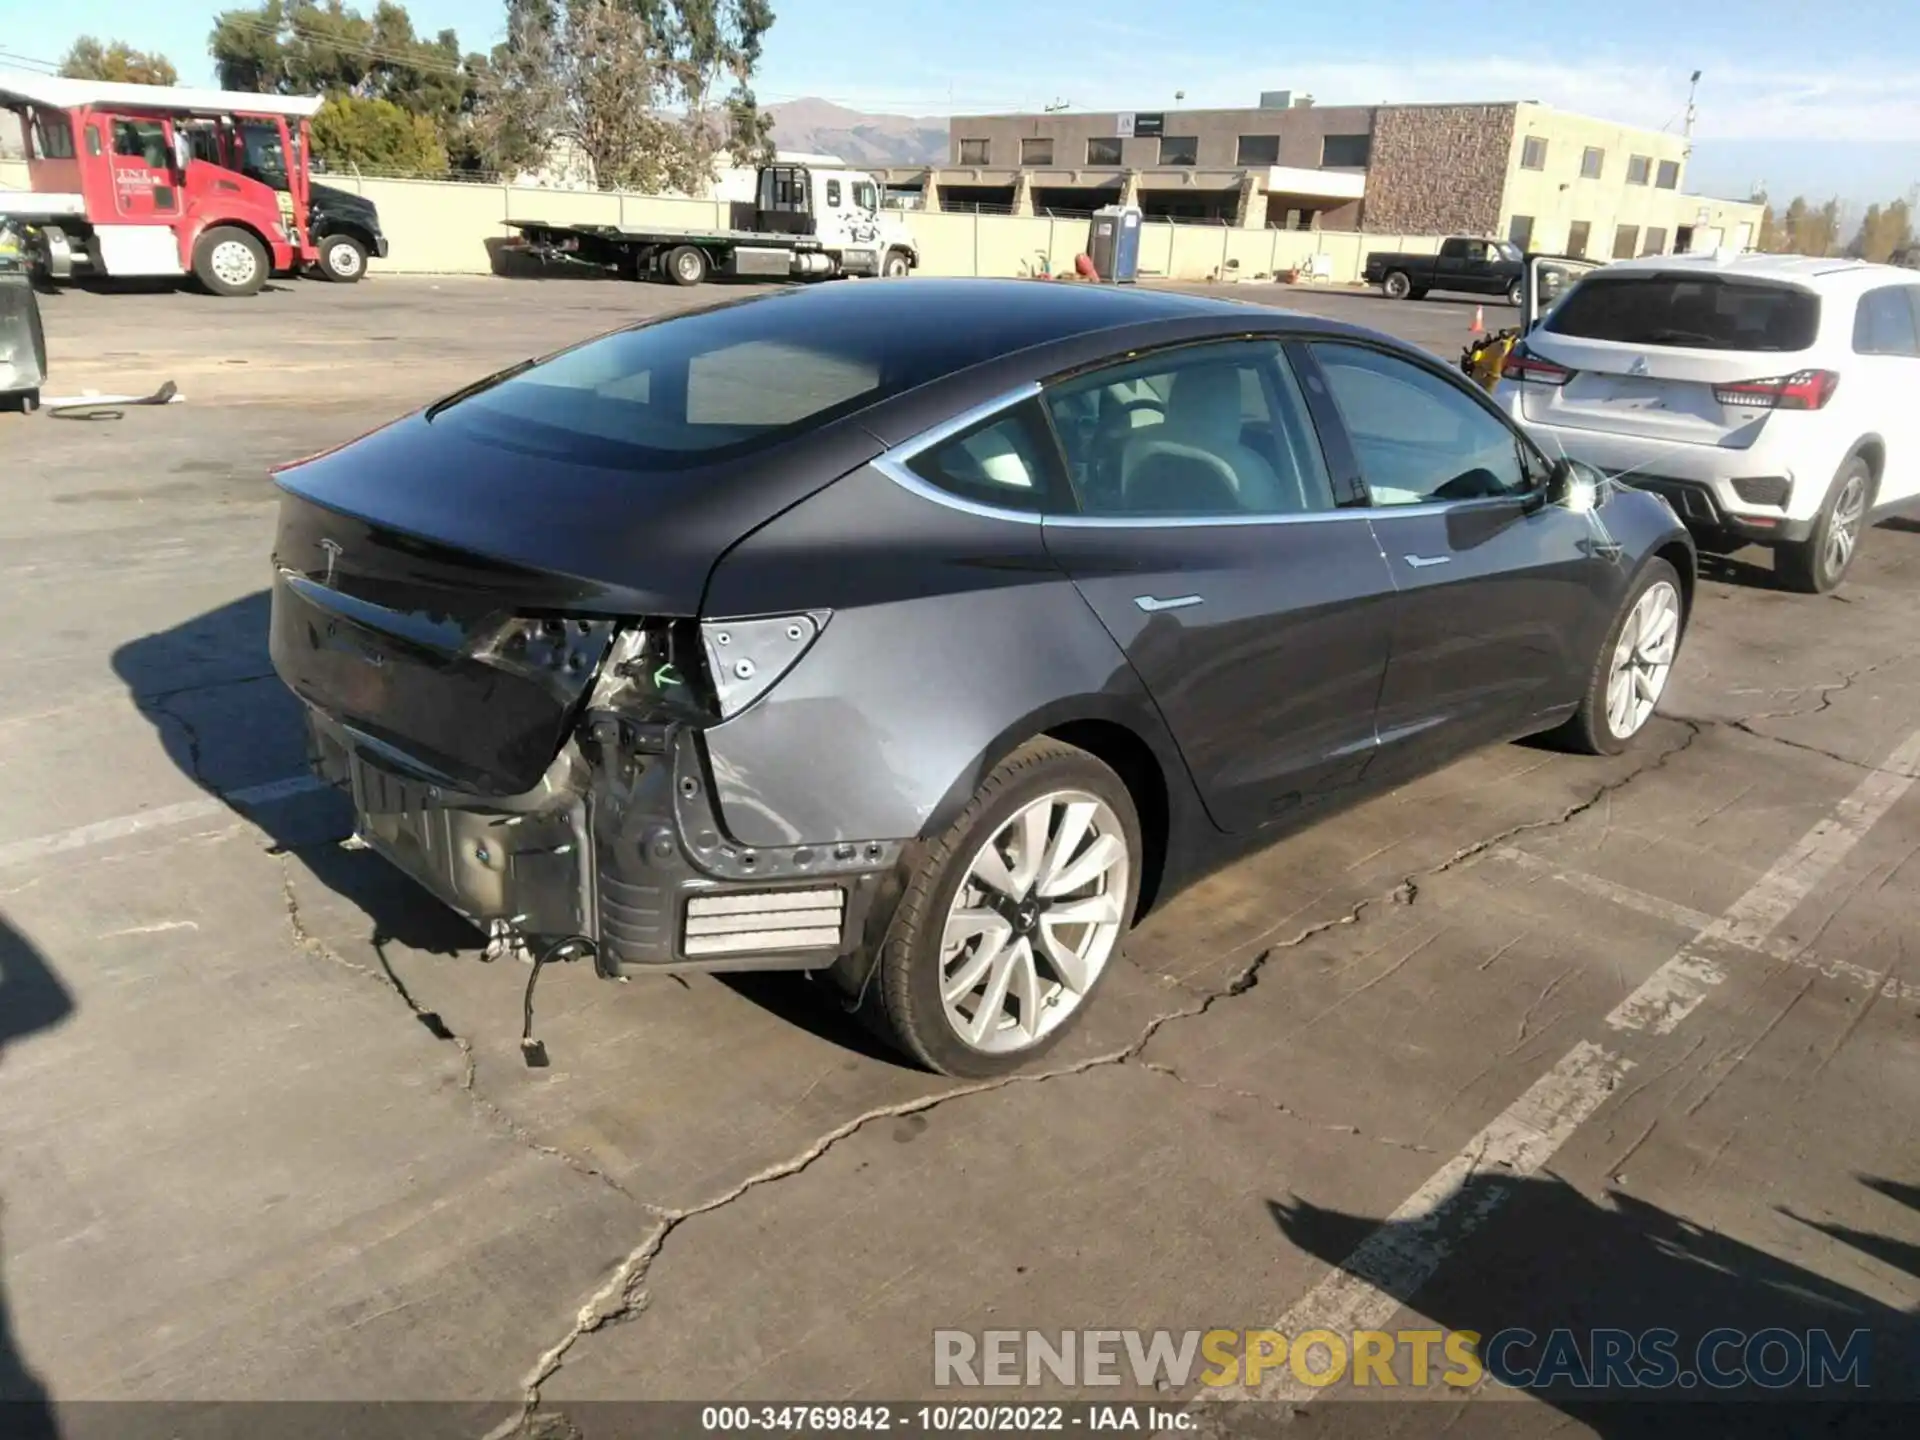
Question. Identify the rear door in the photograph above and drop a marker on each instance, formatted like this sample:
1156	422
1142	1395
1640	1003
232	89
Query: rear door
1886	337
1496	611
1651	354
1257	612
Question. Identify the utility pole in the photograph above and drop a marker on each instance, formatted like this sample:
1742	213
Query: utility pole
1693	86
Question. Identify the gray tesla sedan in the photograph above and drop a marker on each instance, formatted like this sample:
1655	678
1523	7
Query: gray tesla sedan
923	634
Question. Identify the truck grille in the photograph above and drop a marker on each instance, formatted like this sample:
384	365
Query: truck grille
773	920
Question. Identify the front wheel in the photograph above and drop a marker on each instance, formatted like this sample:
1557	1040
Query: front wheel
1516	294
896	265
230	261
1819	563
1010	918
343	259
1396	286
1630	672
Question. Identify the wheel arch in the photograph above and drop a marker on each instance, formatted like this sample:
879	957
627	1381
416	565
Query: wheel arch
352	229
1871	448
246	227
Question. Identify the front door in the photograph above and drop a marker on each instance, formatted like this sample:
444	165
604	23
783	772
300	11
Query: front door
1495	615
145	187
1257	614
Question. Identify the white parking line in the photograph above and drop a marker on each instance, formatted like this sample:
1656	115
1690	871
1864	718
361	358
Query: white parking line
1387	1268
19	852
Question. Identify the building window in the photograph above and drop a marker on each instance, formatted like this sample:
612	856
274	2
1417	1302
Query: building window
1592	163
1520	230
1344	152
1036	152
1624	237
1179	149
1258	150
1533	153
1656	241
1669	176
1637	168
1577	234
1104	150
973	152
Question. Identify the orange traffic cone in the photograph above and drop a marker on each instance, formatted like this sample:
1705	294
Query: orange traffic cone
1479	321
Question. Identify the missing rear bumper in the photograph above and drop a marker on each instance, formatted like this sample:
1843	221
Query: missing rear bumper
618	846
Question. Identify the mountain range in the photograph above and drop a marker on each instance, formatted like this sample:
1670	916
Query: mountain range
820	127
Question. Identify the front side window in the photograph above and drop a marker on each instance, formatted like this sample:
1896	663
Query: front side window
1887	321
1179	149
866	195
1205	431
142	140
1003	462
52	135
1421	439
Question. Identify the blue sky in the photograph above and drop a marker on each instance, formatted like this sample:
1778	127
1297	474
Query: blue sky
1819	96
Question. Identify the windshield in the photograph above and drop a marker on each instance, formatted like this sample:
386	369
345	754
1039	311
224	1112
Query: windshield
1706	312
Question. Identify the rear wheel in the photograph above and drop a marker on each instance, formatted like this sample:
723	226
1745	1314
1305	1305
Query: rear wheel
342	259
1516	294
1396	286
1819	563
1630	672
1010	918
230	261
686	265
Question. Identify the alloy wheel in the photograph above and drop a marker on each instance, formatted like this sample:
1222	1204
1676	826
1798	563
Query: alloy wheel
1843	531
1034	922
232	263
1642	658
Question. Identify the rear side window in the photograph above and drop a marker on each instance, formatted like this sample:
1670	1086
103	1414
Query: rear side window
1698	312
1888	322
1006	462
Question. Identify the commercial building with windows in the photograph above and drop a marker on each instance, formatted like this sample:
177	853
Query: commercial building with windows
1547	179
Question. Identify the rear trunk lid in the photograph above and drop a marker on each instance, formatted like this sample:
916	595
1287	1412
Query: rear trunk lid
1647	349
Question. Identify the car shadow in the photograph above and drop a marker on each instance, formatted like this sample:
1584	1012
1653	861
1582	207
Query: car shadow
1541	1257
31	999
227	721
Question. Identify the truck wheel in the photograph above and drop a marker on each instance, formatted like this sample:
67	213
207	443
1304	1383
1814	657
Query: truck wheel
1396	286
686	265
229	261
342	259
1516	294
896	266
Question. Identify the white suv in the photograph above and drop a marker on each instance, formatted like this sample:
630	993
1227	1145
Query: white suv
1773	399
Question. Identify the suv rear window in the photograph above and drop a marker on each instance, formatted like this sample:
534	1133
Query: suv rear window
1696	312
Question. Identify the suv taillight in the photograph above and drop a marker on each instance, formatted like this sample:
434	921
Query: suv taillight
1530	369
1802	390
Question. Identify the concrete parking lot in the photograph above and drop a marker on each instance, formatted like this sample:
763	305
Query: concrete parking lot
1540	1041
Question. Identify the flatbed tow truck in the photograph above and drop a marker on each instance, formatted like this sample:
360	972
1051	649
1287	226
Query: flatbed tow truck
811	219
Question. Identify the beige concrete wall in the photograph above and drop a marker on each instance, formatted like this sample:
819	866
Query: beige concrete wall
1558	195
13	175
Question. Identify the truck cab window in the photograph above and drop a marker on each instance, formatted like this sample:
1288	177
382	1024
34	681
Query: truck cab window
866	195
833	194
143	140
52	137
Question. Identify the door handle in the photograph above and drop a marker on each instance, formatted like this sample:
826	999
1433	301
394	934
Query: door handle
1152	604
1421	562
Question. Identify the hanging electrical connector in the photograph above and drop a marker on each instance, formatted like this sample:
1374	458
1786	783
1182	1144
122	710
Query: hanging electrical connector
572	948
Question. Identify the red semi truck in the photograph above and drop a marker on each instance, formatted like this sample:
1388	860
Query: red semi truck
163	180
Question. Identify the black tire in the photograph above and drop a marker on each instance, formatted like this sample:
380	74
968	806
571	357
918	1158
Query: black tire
1396	285
896	265
1516	294
685	265
903	1004
1419	292
1810	566
218	263
343	259
1587	731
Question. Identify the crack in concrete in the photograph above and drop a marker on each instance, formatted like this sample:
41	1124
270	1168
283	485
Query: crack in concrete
160	706
623	1293
1332	1127
438	1028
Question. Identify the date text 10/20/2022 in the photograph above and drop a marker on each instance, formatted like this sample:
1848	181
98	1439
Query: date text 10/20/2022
942	1419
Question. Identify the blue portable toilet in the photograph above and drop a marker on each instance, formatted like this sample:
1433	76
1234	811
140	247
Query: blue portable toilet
1113	243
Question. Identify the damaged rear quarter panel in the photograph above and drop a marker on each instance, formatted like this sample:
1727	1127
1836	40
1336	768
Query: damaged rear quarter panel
953	638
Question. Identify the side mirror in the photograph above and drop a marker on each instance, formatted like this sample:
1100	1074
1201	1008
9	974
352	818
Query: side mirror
1572	486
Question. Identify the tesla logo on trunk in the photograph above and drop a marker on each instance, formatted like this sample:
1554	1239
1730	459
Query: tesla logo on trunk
1639	365
332	547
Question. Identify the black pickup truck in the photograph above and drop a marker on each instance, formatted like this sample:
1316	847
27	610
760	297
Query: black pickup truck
1466	263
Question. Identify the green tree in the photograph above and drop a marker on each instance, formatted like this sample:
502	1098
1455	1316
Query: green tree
647	91
89	59
377	135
